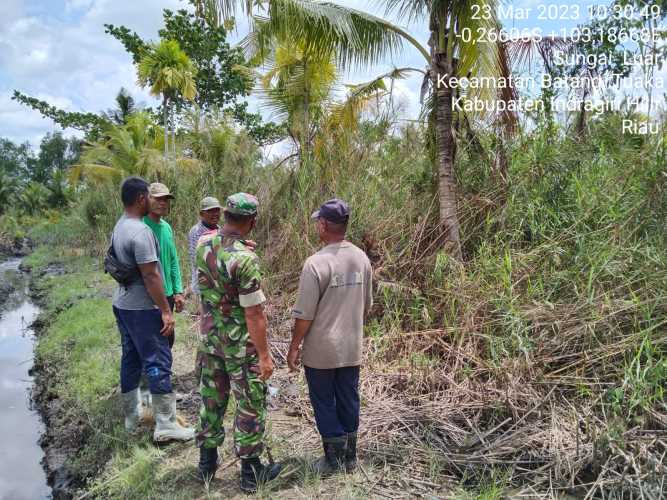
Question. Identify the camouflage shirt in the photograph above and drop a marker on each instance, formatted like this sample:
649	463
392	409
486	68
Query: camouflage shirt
229	279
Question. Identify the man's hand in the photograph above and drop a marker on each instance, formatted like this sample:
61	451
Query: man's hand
168	323
155	286
294	358
256	321
265	367
179	302
301	327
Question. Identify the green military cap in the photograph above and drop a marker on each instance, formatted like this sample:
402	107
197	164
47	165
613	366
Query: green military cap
242	204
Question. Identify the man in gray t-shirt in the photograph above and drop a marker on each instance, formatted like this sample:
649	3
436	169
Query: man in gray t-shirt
335	295
144	318
134	243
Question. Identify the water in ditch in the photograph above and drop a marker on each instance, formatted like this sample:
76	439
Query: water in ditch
21	472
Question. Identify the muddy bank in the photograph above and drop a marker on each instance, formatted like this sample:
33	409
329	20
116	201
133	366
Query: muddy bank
18	247
64	433
63	436
5	291
80	437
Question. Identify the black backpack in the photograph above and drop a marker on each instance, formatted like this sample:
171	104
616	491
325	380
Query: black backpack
124	274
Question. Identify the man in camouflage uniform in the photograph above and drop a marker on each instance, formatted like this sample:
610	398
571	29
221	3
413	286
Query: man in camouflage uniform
235	350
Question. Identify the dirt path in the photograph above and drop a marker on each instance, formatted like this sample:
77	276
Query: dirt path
292	439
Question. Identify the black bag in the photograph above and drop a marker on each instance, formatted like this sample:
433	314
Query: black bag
124	274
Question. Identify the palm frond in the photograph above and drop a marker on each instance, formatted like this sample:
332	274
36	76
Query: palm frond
357	38
345	117
221	11
411	10
475	58
92	170
378	84
297	79
522	52
168	70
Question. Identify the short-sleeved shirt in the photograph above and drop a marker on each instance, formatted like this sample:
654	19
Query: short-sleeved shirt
134	243
335	292
229	280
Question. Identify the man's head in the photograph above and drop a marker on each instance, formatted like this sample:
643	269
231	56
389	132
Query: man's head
332	218
134	195
160	199
241	212
209	211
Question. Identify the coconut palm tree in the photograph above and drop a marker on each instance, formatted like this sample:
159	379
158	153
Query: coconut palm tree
130	149
297	88
125	106
168	71
10	186
360	39
34	197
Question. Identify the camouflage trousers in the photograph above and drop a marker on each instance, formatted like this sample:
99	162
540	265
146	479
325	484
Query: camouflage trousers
220	376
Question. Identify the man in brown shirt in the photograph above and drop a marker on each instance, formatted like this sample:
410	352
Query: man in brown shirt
335	294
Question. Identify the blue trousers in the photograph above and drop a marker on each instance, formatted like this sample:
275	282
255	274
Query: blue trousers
143	349
334	394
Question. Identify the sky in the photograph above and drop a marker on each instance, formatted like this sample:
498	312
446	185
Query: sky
56	50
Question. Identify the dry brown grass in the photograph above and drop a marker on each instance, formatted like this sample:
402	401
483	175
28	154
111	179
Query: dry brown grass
437	410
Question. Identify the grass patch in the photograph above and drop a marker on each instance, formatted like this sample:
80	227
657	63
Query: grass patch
546	342
83	340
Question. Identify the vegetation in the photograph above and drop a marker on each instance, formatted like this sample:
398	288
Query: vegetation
216	68
169	72
90	123
31	183
356	39
527	357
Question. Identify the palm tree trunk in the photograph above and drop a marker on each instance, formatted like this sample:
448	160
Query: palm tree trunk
305	134
445	144
165	111
581	119
173	141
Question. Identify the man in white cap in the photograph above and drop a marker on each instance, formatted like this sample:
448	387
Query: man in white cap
159	205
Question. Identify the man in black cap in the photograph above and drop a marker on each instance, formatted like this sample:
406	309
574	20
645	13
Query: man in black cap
335	294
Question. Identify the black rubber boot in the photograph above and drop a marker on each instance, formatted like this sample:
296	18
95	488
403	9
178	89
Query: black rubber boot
254	473
208	463
351	452
334	456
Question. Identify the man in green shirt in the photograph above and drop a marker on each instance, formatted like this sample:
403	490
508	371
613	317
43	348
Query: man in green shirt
160	199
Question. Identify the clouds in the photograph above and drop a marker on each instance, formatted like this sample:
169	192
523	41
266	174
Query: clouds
19	124
58	51
63	56
11	11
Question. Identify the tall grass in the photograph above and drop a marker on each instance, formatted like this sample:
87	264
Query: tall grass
563	283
